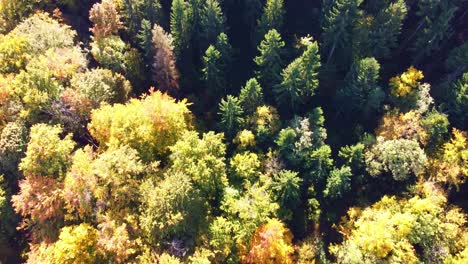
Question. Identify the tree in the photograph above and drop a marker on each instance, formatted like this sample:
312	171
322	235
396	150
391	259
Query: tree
271	243
272	18
269	61
251	96
13	142
435	24
212	21
265	123
338	183
164	121
361	96
377	34
225	50
435	126
164	69
14	53
105	18
230	112
213	74
246	167
392	229
338	20
102	85
300	78
285	189
110	52
75	244
202	160
43	32
47	154
401	157
458	101
171	208
181	25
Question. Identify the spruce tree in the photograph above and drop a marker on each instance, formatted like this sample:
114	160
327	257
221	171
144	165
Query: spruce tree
269	61
338	21
212	21
251	96
300	78
361	97
181	25
272	18
213	74
230	112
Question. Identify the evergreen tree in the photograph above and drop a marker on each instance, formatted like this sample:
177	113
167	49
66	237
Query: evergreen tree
212	21
213	74
230	112
269	61
433	27
300	78
181	25
338	21
361	97
377	34
272	18
145	37
285	188
251	96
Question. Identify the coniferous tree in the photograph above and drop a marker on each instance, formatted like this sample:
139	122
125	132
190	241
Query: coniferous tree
213	74
230	112
377	34
251	96
212	22
164	66
181	26
338	21
434	25
145	38
300	78
360	97
269	61
272	18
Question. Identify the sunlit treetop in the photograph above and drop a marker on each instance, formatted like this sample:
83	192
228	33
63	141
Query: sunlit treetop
407	82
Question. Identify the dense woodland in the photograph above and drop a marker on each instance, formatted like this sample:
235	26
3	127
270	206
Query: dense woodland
233	131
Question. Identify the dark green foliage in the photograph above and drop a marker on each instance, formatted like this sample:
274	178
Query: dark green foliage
269	61
213	73
361	97
251	96
212	21
230	112
285	188
181	26
338	183
272	18
13	141
458	101
300	78
337	25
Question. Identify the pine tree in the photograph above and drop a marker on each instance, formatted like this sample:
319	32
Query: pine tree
272	18
230	112
360	97
212	21
145	39
225	49
269	61
338	21
251	96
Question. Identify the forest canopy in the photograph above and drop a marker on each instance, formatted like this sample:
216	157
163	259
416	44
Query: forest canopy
233	131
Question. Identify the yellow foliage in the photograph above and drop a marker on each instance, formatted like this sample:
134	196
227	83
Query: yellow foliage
13	53
271	244
150	124
452	167
407	82
245	138
396	125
